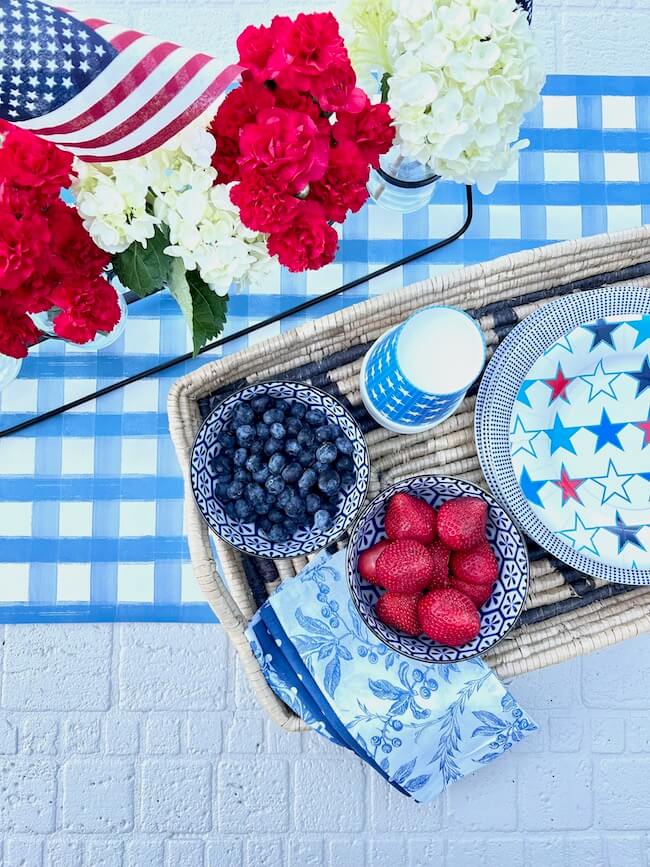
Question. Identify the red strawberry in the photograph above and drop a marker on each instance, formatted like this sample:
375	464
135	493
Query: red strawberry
449	617
405	567
461	523
478	566
478	593
400	610
440	554
410	518
368	560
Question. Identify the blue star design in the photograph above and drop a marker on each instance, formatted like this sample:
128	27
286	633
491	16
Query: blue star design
563	343
600	382
602	332
560	436
642	328
522	394
606	432
521	439
627	533
531	488
612	484
643	377
581	537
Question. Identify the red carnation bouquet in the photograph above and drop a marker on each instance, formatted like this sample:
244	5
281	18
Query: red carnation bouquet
47	259
298	136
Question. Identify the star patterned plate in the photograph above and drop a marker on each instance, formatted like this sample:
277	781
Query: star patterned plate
574	462
501	611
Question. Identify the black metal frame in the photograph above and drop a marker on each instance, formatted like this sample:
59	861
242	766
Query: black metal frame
298	308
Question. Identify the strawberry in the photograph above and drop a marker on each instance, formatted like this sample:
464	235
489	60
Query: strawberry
410	518
478	566
440	554
400	610
461	523
478	593
449	617
405	567
368	561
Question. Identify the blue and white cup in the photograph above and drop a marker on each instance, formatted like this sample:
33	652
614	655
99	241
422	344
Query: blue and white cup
416	374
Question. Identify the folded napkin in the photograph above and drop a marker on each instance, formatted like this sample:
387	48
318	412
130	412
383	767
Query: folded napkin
420	726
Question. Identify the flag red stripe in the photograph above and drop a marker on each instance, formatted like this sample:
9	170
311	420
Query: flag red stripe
91	22
123	40
193	111
120	91
157	102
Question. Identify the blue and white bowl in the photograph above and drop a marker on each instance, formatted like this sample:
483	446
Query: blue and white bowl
498	615
244	536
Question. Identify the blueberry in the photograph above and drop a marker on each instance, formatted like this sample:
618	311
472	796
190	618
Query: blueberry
243	413
221	465
276	516
256	447
329	482
290	527
240	457
230	510
305	437
345	464
228	441
262	430
261	475
307	457
323	433
245	434
254	493
291	473
220	490
307	481
320	466
293	426
253	464
322	519
314	417
344	445
276	463
261	507
284	498
295	508
243	510
347	481
271	446
282	405
278	431
277	533
312	503
272	415
297	410
235	490
326	453
264	525
260	403
241	475
274	485
292	448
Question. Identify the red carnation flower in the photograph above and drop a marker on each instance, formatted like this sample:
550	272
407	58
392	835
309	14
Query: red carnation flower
224	159
262	50
71	247
33	163
369	129
304	103
316	53
343	186
286	147
87	306
17	331
241	106
262	206
22	243
308	242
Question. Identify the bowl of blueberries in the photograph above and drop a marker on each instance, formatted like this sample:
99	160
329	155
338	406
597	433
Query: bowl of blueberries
279	469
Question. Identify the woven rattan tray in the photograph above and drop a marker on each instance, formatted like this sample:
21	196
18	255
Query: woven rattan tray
567	613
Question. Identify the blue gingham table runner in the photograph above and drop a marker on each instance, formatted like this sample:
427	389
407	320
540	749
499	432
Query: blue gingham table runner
420	727
91	517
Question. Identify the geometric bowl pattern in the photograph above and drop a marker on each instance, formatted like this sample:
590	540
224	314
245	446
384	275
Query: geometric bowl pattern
244	536
501	611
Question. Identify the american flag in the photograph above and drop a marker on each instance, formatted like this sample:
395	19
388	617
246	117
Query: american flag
99	91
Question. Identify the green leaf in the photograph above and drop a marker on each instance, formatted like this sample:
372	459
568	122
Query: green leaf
180	290
385	79
144	270
209	310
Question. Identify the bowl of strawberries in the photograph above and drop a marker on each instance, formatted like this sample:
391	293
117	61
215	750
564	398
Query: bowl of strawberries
437	569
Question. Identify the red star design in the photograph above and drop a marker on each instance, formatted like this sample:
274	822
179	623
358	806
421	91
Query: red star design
645	427
558	385
568	486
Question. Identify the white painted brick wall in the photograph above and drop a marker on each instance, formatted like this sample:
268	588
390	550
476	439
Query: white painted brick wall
141	746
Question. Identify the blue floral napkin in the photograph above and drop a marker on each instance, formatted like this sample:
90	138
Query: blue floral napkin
421	727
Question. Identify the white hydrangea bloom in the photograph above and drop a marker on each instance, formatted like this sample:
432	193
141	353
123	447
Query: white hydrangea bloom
462	75
173	186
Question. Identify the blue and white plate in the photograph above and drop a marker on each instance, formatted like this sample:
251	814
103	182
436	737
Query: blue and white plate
501	611
565	443
244	536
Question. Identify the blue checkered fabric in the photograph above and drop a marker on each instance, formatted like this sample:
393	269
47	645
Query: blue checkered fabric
91	516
